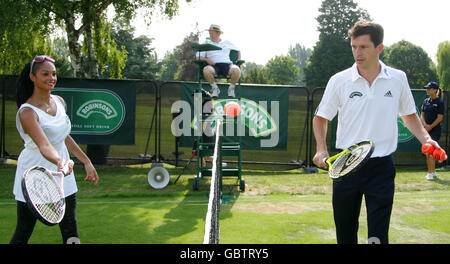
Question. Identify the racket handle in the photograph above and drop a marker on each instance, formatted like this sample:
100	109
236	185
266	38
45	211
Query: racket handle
327	161
65	169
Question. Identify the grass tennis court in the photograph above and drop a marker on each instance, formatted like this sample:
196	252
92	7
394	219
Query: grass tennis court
285	207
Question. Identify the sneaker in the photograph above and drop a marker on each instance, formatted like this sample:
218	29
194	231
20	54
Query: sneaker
431	176
231	91
215	92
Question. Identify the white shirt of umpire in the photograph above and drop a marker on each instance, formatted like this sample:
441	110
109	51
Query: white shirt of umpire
219	56
367	112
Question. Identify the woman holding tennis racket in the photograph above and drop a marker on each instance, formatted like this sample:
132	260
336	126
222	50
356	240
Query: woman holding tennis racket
368	98
44	127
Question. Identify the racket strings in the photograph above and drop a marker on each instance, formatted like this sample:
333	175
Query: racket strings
340	167
45	195
52	211
347	162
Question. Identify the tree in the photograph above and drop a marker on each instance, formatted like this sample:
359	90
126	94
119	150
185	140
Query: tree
282	69
187	69
106	54
23	34
330	55
332	52
253	73
301	55
87	18
142	61
413	60
338	16
178	64
61	55
169	65
443	68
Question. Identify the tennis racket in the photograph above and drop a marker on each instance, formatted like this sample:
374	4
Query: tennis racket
349	160
44	193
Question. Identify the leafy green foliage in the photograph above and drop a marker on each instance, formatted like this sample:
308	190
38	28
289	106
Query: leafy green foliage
187	69
300	54
142	61
413	60
282	69
330	55
107	55
23	35
332	52
60	53
443	68
169	65
338	16
25	27
254	73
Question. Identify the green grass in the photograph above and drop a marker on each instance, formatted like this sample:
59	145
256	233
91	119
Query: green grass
287	207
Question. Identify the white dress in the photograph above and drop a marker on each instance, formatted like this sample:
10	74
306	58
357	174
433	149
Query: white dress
56	128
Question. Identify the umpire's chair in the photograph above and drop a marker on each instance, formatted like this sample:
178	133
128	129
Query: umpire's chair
232	148
234	57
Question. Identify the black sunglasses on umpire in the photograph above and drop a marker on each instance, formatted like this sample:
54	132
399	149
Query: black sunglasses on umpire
39	59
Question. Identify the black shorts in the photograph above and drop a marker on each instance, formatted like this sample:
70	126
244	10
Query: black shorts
222	68
207	139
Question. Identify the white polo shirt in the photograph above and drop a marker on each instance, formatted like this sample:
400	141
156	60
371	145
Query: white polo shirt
219	56
367	112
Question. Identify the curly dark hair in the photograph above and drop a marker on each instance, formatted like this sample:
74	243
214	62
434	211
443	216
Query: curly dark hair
25	86
365	27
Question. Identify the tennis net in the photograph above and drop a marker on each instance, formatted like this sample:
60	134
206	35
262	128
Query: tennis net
212	231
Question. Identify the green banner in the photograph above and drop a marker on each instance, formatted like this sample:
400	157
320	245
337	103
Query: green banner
263	115
102	112
407	142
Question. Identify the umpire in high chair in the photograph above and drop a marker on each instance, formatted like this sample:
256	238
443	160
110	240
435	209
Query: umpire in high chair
367	98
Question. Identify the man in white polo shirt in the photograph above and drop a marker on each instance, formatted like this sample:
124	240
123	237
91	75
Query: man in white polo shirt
368	98
219	62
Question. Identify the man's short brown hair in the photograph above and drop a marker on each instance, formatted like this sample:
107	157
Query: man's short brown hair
364	27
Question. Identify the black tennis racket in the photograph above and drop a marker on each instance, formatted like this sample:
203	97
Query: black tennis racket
44	193
349	160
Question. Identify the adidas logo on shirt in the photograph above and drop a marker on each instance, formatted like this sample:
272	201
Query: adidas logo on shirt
388	94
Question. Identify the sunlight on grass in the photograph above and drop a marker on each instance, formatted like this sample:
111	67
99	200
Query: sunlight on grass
278	207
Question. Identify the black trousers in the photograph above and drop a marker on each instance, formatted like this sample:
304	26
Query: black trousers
26	222
376	182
